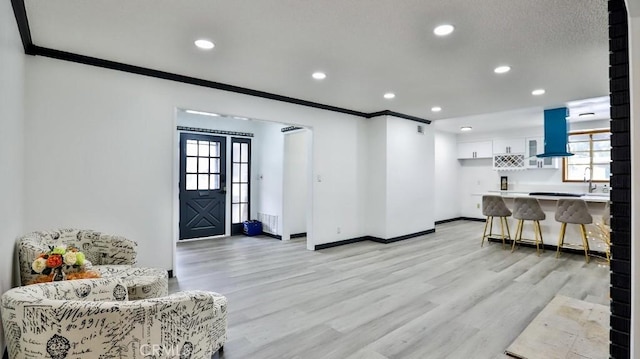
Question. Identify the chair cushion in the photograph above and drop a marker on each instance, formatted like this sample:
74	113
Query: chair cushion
528	209
573	211
494	206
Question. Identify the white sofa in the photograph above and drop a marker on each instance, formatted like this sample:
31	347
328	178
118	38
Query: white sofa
92	318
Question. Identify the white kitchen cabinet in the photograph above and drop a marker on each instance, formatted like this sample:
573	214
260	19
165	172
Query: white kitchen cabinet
508	146
535	146
478	149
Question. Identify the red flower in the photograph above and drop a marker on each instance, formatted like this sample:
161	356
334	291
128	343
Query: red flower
54	260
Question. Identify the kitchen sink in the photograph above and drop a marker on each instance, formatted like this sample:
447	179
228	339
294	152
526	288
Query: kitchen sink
556	194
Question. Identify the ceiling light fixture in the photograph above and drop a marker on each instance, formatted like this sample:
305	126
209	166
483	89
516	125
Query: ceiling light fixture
436	109
202	113
389	95
502	69
241	118
586	114
465	128
319	75
538	92
443	30
204	44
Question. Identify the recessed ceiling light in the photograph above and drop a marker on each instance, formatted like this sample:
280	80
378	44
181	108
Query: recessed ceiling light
436	109
502	69
443	30
389	95
538	92
465	128
204	44
202	113
319	75
241	118
586	114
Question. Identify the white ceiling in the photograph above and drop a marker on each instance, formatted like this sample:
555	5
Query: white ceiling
366	48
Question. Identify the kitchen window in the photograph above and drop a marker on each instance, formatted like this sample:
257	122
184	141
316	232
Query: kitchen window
591	159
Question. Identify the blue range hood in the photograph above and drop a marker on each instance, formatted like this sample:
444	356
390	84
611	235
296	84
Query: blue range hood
556	135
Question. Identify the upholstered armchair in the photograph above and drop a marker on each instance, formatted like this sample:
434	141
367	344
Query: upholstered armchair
99	248
92	318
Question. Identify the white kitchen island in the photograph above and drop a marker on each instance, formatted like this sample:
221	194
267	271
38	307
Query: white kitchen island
550	228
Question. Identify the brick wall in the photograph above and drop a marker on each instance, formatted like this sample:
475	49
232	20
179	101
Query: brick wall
620	181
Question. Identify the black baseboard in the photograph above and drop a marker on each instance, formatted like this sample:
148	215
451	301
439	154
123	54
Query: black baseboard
340	243
401	238
448	220
473	219
272	235
549	247
460	219
170	273
298	235
373	239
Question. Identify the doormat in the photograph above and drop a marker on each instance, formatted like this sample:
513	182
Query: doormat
565	328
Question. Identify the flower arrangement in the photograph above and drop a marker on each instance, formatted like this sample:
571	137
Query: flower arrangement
56	257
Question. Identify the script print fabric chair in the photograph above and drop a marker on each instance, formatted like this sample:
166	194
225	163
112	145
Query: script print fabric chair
99	248
92	318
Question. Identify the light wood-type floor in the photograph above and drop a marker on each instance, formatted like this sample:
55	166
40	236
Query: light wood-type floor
435	296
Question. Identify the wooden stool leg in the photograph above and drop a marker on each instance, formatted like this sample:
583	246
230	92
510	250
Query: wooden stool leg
502	230
540	234
585	242
484	233
563	228
518	234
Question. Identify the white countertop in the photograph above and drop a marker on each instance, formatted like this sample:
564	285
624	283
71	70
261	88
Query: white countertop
588	197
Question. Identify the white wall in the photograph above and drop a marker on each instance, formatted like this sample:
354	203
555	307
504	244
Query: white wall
101	145
376	158
295	181
270	176
410	178
11	145
446	190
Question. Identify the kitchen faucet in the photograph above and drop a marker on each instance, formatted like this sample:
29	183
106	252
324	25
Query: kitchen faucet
591	187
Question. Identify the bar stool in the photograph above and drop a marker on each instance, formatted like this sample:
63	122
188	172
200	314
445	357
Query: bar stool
494	206
528	209
573	211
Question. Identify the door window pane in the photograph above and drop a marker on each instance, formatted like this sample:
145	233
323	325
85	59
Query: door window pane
235	190
192	182
203	165
244	211
245	153
215	165
214	182
192	165
244	172
236	152
235	213
203	182
192	148
244	192
236	172
203	148
215	149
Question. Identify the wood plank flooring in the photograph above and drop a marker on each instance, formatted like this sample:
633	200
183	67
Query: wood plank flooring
434	296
